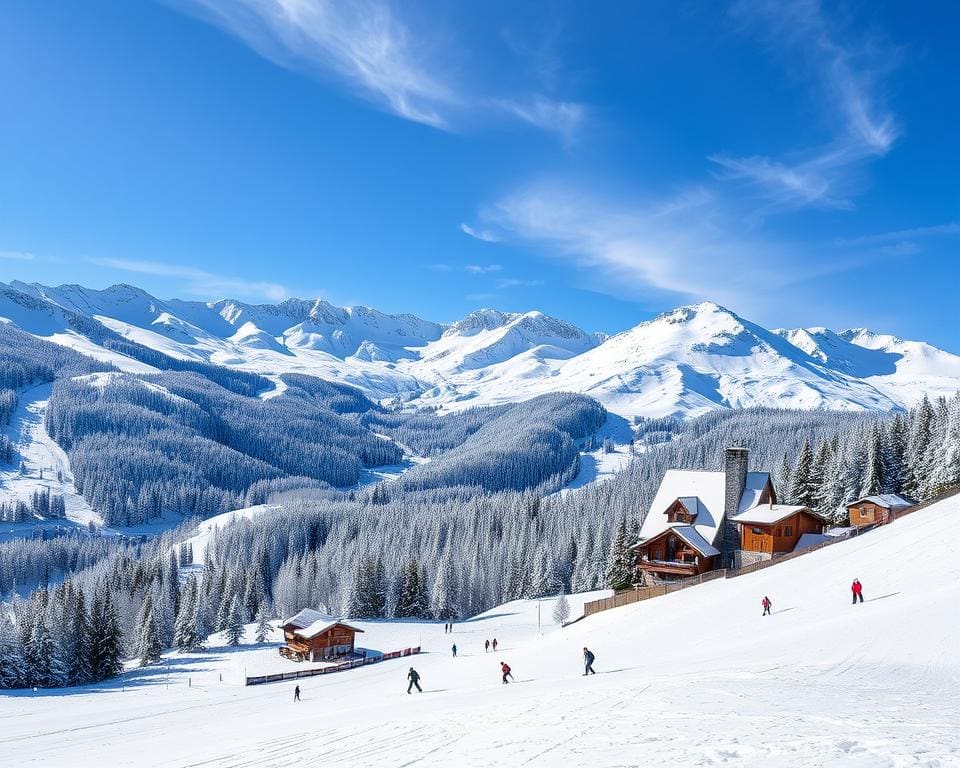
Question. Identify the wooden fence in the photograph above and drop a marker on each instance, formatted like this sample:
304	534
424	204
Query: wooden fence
645	593
297	674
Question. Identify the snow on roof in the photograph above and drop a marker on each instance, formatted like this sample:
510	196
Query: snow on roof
767	514
753	490
888	500
305	618
689	534
321	626
709	490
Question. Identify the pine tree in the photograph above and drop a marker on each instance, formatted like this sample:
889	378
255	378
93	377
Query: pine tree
184	637
106	656
79	672
264	628
561	609
412	600
445	598
201	623
148	639
803	487
234	631
620	564
13	665
873	479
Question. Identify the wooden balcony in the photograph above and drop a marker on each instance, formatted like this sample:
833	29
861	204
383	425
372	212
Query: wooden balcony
667	567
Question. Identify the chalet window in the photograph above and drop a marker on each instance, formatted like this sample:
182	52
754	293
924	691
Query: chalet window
757	531
863	513
788	530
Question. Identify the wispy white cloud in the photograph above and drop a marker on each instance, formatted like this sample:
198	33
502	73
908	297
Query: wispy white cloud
371	48
512	282
199	282
440	267
847	79
363	42
687	245
563	118
17	255
900	235
482	269
480	234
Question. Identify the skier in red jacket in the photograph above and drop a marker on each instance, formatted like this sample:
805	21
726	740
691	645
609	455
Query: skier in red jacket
767	605
857	589
505	669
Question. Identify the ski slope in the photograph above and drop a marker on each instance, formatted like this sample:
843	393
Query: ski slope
46	463
694	678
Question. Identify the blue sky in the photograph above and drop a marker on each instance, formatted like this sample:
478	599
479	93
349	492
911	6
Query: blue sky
601	162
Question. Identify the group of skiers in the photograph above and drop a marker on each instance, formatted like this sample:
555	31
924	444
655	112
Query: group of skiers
487	644
448	628
856	589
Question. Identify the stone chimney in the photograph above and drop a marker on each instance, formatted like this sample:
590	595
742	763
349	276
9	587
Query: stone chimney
735	471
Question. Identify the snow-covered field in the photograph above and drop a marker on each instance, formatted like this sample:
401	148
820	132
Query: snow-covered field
694	678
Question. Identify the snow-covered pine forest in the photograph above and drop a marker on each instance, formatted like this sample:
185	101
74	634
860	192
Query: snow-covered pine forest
479	524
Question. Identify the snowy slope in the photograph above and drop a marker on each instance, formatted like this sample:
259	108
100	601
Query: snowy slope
684	362
694	678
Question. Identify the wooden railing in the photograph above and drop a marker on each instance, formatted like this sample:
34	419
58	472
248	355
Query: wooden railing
639	594
297	674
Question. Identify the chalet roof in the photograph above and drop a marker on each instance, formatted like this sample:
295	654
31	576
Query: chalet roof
885	500
768	514
709	489
321	626
305	618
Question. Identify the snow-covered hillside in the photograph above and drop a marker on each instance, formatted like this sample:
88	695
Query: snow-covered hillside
684	362
694	678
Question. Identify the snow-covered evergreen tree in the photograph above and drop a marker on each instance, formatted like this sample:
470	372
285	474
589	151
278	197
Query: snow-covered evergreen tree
561	609
620	565
234	629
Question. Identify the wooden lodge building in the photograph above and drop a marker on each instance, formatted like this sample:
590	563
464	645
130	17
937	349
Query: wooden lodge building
314	636
688	529
700	521
775	529
876	510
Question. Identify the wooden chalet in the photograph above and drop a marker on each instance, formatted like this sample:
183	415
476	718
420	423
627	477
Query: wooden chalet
687	531
314	636
876	510
773	529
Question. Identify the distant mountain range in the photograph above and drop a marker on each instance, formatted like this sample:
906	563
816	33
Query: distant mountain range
684	362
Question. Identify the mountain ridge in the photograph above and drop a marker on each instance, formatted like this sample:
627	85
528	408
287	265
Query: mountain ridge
683	362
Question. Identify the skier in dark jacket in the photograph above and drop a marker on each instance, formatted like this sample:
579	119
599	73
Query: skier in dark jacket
494	644
857	589
414	677
486	646
588	658
505	669
296	693
454	649
767	605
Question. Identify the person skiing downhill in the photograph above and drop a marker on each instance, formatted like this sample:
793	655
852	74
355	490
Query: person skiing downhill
454	649
505	669
767	605
494	645
414	677
857	589
486	646
588	658
296	693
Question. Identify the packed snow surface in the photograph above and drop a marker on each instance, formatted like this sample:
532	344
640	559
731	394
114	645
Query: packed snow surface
693	678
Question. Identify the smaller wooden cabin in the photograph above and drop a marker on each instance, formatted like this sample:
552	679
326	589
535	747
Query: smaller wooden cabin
314	636
876	510
774	529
